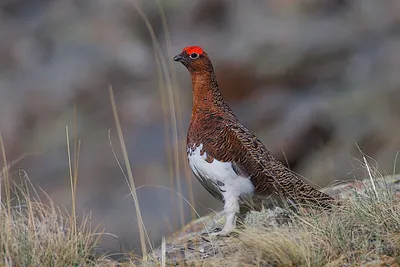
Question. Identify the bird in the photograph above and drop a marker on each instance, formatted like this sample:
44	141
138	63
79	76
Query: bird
230	162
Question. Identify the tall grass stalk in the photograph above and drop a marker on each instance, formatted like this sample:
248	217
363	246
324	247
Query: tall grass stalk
142	230
165	85
175	87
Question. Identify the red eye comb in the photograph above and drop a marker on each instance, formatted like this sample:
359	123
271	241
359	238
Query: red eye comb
193	49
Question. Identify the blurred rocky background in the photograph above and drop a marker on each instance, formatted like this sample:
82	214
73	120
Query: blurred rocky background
310	78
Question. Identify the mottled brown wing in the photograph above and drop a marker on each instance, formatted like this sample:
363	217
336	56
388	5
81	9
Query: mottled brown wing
267	173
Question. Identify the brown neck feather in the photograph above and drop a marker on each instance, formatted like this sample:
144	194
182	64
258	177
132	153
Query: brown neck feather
206	95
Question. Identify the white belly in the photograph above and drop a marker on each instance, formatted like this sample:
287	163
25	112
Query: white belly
220	174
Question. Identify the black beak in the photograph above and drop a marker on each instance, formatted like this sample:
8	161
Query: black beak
178	58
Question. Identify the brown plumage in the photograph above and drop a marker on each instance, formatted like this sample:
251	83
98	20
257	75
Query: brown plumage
228	160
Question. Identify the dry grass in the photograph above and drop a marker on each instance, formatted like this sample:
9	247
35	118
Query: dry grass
36	234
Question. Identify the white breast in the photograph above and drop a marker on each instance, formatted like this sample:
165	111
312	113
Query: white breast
220	173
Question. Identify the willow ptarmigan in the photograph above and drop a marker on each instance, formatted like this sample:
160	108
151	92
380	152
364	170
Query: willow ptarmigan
227	159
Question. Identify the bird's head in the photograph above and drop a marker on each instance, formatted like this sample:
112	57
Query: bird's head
194	59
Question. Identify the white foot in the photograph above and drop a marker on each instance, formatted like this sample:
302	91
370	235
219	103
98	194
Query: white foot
231	208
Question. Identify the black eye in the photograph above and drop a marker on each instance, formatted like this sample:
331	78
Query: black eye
194	55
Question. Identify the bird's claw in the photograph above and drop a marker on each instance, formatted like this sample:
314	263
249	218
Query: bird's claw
212	232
